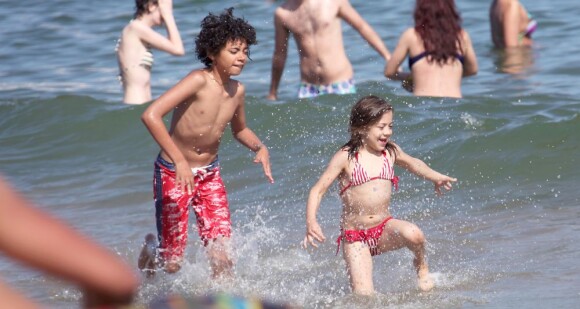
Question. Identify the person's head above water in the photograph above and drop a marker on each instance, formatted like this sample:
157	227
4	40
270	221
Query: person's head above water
217	31
365	113
143	7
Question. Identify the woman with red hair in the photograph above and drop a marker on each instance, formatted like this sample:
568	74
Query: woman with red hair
439	50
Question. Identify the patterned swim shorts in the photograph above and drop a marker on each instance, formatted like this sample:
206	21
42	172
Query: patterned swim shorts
308	90
208	199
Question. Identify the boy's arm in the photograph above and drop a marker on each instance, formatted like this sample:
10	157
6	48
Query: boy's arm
421	169
152	117
279	56
335	167
248	138
353	18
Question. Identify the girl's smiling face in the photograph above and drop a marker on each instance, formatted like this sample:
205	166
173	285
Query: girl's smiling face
378	134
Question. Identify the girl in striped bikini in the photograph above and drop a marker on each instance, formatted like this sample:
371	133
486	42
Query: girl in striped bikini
364	169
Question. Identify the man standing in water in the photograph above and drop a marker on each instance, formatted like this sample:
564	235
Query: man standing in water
315	24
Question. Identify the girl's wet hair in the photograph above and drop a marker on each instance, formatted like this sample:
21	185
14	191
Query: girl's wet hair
216	31
364	114
438	23
142	7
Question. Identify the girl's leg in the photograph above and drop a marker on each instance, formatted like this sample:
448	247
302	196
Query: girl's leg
359	265
399	234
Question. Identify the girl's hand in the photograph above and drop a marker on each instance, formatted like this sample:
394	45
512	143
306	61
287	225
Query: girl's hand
313	232
445	182
184	177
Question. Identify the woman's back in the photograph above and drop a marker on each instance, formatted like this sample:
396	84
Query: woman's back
432	78
439	50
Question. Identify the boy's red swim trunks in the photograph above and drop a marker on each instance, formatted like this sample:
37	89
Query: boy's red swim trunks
208	199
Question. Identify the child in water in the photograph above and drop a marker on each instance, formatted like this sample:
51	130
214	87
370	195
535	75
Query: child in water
187	170
364	169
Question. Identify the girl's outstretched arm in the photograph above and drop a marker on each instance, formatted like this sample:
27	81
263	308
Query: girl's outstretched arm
421	169
336	166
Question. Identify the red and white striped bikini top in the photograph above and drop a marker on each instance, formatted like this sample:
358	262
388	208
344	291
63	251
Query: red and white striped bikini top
360	175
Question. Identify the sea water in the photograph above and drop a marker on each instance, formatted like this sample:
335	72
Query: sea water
505	237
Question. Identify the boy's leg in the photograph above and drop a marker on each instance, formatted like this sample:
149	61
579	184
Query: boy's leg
219	255
400	233
147	257
172	215
359	265
213	221
173	240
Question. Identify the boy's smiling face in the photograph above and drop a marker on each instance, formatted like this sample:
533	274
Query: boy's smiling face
231	58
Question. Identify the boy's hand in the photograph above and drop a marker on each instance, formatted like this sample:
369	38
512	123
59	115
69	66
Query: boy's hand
445	182
262	156
184	177
313	232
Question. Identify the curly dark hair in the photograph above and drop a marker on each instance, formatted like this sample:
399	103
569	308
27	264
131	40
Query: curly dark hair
142	7
364	114
216	31
438	23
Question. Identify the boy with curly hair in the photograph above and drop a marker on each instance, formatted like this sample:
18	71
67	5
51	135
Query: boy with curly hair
187	171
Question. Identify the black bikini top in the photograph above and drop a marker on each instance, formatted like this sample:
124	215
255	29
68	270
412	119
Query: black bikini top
422	55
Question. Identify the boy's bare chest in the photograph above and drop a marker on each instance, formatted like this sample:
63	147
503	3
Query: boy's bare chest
220	111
